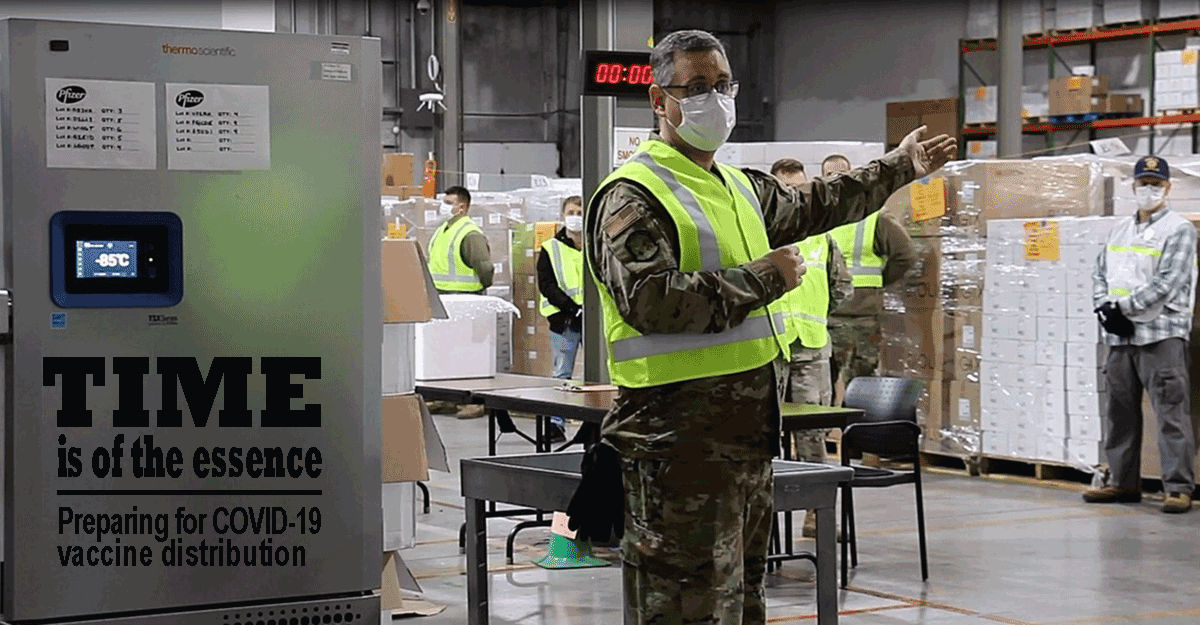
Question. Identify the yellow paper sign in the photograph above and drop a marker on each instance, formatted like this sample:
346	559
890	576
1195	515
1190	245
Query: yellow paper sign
981	94
1041	240
928	199
1075	82
975	147
1189	56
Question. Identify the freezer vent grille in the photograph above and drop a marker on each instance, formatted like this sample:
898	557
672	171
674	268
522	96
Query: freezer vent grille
316	615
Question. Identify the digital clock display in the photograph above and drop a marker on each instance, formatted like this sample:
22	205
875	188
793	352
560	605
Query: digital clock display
615	73
106	259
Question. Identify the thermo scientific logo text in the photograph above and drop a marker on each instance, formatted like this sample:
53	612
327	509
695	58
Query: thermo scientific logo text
194	51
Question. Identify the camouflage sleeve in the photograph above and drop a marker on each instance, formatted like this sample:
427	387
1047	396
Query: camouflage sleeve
841	283
633	250
823	204
894	244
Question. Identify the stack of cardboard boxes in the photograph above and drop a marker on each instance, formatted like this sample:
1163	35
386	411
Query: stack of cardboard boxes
410	442
397	175
933	329
1042	392
1175	78
531	352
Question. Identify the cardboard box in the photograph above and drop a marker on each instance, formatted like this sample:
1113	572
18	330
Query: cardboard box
1124	103
965	404
981	149
940	116
527	242
409	295
405	456
397	174
919	349
1071	95
981	105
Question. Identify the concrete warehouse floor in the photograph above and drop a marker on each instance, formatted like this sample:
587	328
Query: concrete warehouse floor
1001	551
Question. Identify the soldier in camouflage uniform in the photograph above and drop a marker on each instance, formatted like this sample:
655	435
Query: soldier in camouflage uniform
854	328
695	455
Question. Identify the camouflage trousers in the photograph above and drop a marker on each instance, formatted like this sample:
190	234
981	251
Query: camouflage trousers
695	544
855	346
811	384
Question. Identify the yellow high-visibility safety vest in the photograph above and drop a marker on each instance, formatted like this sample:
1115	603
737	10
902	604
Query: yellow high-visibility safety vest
807	306
711	237
857	242
1131	260
446	265
568	272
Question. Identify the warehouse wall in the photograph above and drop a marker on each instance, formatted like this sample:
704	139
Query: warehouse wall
838	64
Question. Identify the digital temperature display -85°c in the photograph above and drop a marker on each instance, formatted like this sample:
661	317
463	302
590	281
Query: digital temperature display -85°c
106	259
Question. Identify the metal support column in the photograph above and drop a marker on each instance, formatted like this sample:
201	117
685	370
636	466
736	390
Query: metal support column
597	26
449	141
1010	46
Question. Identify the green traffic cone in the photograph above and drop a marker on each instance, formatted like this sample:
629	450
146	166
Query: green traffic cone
568	553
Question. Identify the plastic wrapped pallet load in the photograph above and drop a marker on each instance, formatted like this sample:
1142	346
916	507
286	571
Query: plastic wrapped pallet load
933	326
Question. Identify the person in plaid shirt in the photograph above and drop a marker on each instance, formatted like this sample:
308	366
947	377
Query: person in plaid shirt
1144	291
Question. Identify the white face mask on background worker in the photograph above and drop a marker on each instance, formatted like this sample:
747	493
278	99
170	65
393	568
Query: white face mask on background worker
1150	197
573	218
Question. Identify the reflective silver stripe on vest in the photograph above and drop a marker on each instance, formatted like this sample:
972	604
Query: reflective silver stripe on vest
556	250
453	275
808	317
710	252
860	233
866	271
754	328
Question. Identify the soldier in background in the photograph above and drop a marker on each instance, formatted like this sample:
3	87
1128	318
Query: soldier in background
827	285
879	253
690	258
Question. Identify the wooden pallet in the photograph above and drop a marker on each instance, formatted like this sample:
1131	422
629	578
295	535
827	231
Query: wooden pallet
1041	119
1184	18
1059	32
979	124
1121	25
968	464
975	42
1038	469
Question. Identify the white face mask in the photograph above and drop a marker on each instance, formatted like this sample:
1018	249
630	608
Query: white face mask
574	223
1149	198
445	209
707	120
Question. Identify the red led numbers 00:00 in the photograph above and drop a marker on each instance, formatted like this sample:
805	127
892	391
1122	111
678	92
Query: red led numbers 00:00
613	73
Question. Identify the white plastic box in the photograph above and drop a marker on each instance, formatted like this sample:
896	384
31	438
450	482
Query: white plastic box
399	341
1085	452
1085	427
399	515
463	346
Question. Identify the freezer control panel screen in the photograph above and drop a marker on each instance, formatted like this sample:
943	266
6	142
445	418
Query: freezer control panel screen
106	259
116	259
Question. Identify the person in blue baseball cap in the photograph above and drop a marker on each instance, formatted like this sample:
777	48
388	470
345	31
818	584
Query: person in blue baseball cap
1144	290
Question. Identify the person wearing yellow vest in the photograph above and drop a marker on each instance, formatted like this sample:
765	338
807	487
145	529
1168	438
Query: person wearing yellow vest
690	258
460	260
560	283
827	283
1144	290
879	254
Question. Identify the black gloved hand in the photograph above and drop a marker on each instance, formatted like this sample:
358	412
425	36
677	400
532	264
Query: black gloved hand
598	505
1114	321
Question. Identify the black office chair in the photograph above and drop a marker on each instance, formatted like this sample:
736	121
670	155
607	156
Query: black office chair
888	428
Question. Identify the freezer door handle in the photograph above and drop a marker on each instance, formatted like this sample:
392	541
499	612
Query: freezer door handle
6	321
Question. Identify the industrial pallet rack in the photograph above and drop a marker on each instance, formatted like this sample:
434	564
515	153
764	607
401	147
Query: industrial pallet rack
1089	38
